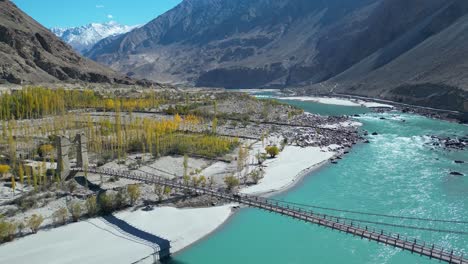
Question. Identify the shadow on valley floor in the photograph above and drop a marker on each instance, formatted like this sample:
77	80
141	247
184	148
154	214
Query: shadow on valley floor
81	180
160	245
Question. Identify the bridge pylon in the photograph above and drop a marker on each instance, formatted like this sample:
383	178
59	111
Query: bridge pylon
63	146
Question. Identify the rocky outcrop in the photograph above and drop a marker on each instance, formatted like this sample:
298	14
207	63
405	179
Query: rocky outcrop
457	143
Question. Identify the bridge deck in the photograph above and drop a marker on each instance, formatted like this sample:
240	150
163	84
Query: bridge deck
394	240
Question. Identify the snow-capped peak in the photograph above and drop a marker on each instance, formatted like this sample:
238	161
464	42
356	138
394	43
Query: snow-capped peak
84	37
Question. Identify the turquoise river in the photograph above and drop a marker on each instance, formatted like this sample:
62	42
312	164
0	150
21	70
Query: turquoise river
398	173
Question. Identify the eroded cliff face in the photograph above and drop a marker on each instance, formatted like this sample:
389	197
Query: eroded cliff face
30	53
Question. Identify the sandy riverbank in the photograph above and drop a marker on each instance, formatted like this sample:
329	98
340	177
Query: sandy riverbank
293	163
95	241
338	101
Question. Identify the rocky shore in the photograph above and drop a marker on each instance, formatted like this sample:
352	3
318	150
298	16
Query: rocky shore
448	143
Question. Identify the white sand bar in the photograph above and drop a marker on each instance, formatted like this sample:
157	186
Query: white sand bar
95	241
337	101
292	163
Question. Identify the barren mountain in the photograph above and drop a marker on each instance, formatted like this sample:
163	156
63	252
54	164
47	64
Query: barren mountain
30	53
425	64
411	51
241	43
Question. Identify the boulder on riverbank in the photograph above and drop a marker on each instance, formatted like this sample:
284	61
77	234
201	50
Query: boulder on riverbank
456	143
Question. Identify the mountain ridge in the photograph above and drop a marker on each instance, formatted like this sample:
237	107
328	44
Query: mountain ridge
83	38
30	53
391	49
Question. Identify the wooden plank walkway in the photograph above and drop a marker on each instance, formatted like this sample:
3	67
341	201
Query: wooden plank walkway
334	223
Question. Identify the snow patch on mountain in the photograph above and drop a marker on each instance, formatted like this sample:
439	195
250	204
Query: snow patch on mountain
84	37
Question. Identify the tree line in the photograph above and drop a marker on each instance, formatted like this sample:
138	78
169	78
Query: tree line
37	102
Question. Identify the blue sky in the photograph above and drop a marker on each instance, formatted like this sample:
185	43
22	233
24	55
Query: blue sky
70	13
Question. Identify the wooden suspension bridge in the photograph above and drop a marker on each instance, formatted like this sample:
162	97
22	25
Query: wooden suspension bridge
285	209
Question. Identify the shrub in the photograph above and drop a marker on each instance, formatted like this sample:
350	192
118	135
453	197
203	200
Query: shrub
134	193
121	199
273	151
45	150
72	186
27	203
202	181
60	216
7	231
21	227
261	157
167	190
76	210
284	142
91	206
34	222
231	182
256	176
107	203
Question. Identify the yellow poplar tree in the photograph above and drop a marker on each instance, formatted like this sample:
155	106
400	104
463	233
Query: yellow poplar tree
13	184
21	173
4	169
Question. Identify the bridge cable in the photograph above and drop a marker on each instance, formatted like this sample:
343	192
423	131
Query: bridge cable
398	225
372	214
266	200
371	222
